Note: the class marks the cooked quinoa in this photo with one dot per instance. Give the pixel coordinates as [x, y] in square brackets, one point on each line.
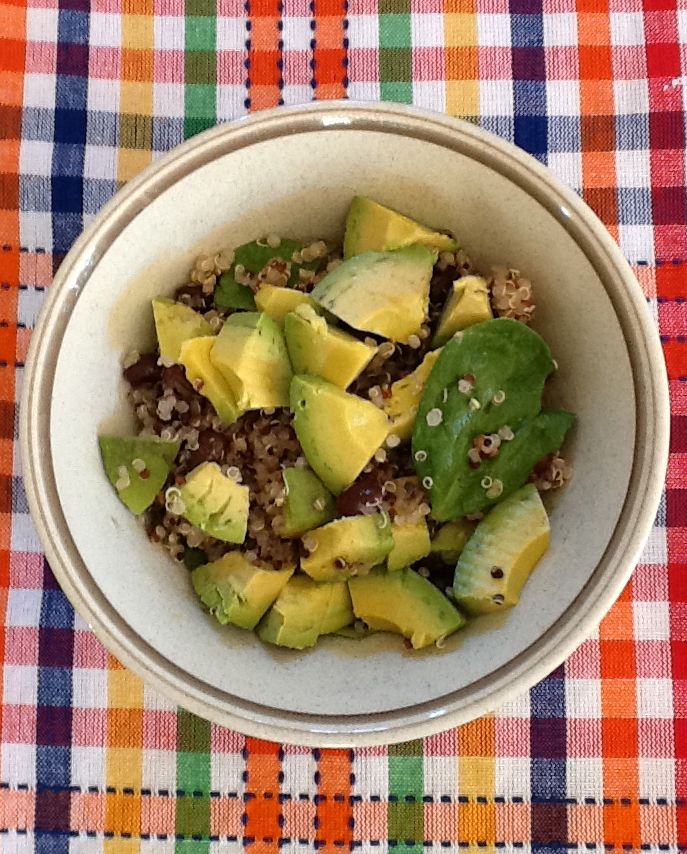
[255, 450]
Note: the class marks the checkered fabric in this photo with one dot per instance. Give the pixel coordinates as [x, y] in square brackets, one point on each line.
[593, 758]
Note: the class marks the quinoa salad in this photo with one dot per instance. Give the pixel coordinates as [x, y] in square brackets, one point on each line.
[344, 439]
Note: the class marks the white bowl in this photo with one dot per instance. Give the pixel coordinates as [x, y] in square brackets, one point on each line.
[294, 172]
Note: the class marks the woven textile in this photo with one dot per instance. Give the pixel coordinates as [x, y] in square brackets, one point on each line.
[595, 757]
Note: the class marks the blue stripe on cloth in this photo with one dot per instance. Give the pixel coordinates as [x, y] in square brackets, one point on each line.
[69, 133]
[54, 719]
[530, 128]
[548, 764]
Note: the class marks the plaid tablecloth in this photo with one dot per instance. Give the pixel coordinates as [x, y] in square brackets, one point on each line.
[593, 758]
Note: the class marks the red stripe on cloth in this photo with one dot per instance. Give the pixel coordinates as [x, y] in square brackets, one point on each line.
[334, 810]
[263, 810]
[265, 55]
[329, 54]
[12, 58]
[667, 132]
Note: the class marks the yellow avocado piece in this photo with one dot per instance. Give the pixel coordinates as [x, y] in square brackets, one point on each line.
[215, 503]
[317, 348]
[401, 407]
[386, 293]
[499, 557]
[278, 302]
[411, 543]
[250, 353]
[405, 603]
[357, 542]
[304, 610]
[236, 591]
[176, 323]
[371, 226]
[338, 432]
[449, 541]
[467, 304]
[195, 357]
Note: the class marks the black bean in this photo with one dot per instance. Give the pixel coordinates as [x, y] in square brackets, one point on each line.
[145, 371]
[174, 377]
[363, 494]
[189, 291]
[212, 447]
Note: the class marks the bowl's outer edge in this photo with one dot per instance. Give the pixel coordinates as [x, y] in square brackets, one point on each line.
[606, 582]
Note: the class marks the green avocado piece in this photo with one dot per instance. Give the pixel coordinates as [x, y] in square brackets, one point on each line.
[467, 304]
[499, 557]
[411, 543]
[371, 226]
[406, 603]
[278, 302]
[230, 294]
[506, 365]
[137, 485]
[250, 353]
[176, 323]
[401, 408]
[215, 503]
[308, 502]
[304, 610]
[195, 357]
[236, 591]
[317, 348]
[386, 293]
[449, 541]
[338, 432]
[347, 546]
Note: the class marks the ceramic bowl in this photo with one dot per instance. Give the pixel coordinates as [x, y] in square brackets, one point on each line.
[294, 172]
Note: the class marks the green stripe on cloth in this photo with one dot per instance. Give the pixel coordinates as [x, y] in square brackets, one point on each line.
[395, 55]
[192, 823]
[405, 811]
[200, 66]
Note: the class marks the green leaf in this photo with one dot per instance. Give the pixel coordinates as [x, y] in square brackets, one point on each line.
[193, 558]
[230, 294]
[255, 255]
[502, 356]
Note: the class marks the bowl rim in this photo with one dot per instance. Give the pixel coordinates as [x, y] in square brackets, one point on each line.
[606, 581]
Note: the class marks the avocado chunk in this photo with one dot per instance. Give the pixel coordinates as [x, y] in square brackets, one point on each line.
[230, 294]
[371, 226]
[278, 302]
[137, 467]
[347, 546]
[501, 554]
[317, 348]
[406, 603]
[449, 541]
[304, 610]
[488, 378]
[250, 353]
[401, 408]
[338, 432]
[411, 543]
[195, 357]
[467, 304]
[215, 503]
[236, 591]
[385, 293]
[176, 323]
[308, 503]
